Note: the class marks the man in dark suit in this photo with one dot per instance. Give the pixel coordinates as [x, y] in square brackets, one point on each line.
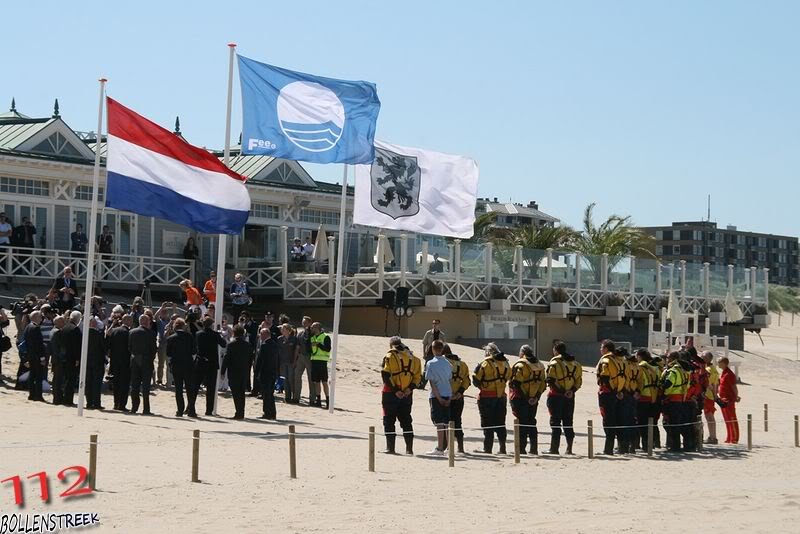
[57, 357]
[67, 289]
[72, 357]
[95, 366]
[180, 358]
[236, 363]
[120, 356]
[209, 342]
[268, 363]
[34, 356]
[142, 345]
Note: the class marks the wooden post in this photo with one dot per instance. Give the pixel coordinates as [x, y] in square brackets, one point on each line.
[516, 440]
[650, 431]
[590, 436]
[749, 432]
[766, 417]
[451, 444]
[372, 449]
[195, 456]
[797, 431]
[93, 461]
[292, 455]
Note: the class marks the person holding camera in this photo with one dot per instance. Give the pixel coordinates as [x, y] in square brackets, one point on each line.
[240, 297]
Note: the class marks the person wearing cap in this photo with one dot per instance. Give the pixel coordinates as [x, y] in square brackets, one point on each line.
[401, 373]
[526, 387]
[491, 377]
[565, 378]
[711, 397]
[729, 396]
[459, 384]
[611, 384]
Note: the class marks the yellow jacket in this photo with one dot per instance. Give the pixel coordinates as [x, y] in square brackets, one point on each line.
[491, 376]
[460, 381]
[401, 370]
[648, 382]
[528, 377]
[678, 380]
[611, 373]
[564, 375]
[713, 380]
[632, 371]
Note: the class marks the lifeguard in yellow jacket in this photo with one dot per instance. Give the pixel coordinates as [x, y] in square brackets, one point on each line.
[565, 378]
[528, 376]
[490, 377]
[401, 374]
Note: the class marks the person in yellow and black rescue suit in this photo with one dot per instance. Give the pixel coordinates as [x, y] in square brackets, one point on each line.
[675, 384]
[401, 374]
[629, 435]
[491, 376]
[611, 383]
[565, 377]
[648, 401]
[459, 384]
[527, 384]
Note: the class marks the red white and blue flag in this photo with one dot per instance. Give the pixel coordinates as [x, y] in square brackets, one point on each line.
[152, 171]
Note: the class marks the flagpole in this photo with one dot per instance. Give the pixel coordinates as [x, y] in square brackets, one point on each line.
[87, 300]
[337, 303]
[223, 238]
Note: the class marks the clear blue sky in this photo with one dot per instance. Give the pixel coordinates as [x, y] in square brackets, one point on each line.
[642, 107]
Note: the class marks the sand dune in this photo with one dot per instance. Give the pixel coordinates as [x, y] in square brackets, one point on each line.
[144, 465]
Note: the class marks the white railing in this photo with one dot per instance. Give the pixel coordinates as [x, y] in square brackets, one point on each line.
[262, 277]
[48, 264]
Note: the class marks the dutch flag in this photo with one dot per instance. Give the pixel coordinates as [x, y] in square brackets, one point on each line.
[152, 171]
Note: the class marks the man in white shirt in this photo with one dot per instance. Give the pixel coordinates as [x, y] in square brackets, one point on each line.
[5, 231]
[308, 249]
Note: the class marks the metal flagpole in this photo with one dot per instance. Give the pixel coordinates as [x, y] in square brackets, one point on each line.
[223, 238]
[87, 300]
[337, 303]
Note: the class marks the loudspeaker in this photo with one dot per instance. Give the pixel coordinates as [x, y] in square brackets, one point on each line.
[387, 300]
[402, 297]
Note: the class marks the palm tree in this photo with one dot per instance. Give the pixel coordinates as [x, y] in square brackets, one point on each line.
[483, 227]
[535, 240]
[616, 236]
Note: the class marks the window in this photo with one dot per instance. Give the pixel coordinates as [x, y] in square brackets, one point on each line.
[659, 250]
[264, 211]
[782, 244]
[697, 250]
[316, 216]
[698, 235]
[84, 192]
[676, 250]
[22, 186]
[740, 254]
[740, 240]
[57, 144]
[762, 242]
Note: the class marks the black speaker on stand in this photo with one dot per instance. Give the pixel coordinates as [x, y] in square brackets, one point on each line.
[387, 302]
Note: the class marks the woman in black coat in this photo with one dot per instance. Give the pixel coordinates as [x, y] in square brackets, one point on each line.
[236, 362]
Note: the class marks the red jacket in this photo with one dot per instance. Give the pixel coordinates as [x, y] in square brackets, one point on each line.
[727, 386]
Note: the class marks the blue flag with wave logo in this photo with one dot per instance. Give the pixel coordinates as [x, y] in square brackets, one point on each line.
[297, 116]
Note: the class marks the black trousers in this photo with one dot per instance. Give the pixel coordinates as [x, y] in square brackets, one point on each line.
[181, 381]
[627, 418]
[526, 413]
[609, 411]
[238, 394]
[70, 382]
[35, 377]
[673, 423]
[58, 381]
[687, 430]
[562, 411]
[268, 396]
[493, 414]
[397, 410]
[94, 385]
[207, 376]
[141, 376]
[121, 383]
[645, 411]
[456, 410]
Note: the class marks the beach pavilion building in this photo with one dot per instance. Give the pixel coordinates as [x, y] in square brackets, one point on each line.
[479, 291]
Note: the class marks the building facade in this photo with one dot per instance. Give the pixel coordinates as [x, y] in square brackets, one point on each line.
[703, 242]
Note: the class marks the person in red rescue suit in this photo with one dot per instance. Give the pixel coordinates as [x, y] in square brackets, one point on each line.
[729, 396]
[401, 374]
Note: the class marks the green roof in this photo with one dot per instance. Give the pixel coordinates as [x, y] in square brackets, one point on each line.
[14, 132]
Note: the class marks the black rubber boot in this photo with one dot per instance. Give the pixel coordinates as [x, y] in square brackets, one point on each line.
[608, 449]
[569, 446]
[555, 443]
[390, 440]
[460, 440]
[409, 443]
